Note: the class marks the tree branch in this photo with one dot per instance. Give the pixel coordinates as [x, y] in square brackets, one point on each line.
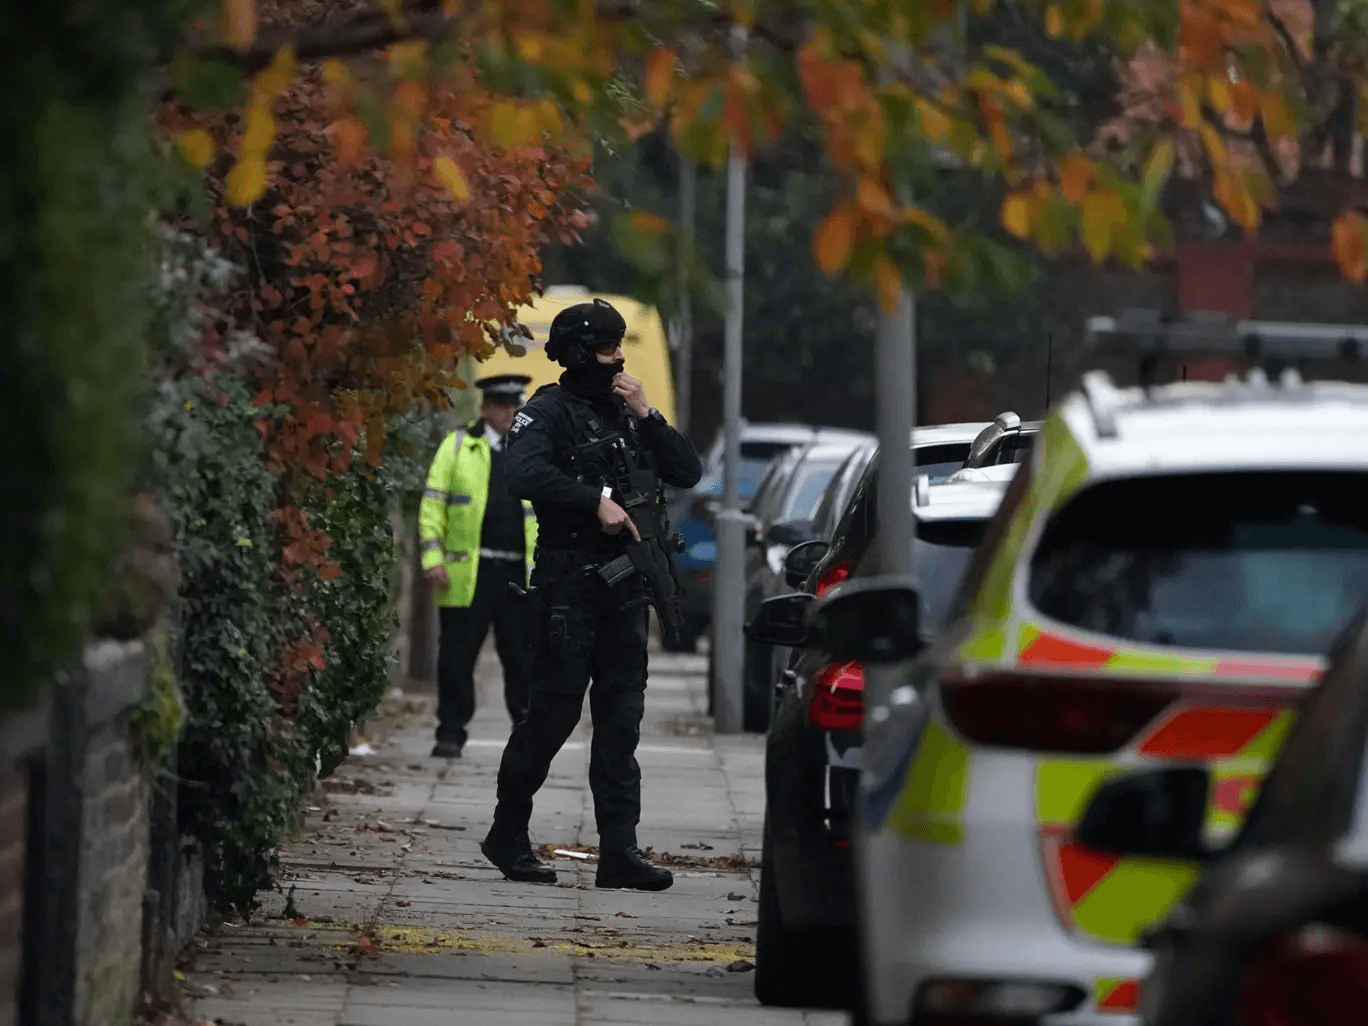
[361, 33]
[1280, 27]
[343, 38]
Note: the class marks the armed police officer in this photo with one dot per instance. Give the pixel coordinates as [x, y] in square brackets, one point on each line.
[476, 539]
[591, 454]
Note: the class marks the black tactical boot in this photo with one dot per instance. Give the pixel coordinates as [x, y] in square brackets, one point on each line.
[446, 750]
[515, 860]
[629, 869]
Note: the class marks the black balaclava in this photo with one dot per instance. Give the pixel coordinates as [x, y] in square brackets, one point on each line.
[591, 379]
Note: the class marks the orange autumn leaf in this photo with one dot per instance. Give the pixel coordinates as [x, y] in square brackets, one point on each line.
[240, 23]
[1075, 175]
[1347, 246]
[888, 281]
[834, 239]
[660, 68]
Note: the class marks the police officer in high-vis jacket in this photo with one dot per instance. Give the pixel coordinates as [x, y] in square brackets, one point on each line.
[476, 539]
[591, 454]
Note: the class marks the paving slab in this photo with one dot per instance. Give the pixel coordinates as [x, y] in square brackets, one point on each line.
[396, 919]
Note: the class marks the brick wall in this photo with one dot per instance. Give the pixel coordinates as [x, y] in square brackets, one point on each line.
[13, 831]
[113, 876]
[89, 845]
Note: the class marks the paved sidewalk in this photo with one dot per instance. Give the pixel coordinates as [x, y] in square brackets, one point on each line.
[396, 919]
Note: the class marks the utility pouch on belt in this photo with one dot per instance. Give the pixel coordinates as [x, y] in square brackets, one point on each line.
[617, 569]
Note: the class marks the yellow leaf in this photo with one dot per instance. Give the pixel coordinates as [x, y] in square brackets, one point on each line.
[1215, 146]
[511, 124]
[1075, 175]
[1054, 21]
[1189, 100]
[932, 224]
[1218, 93]
[258, 133]
[834, 239]
[1101, 211]
[240, 22]
[1347, 245]
[888, 281]
[936, 125]
[660, 69]
[271, 81]
[197, 146]
[872, 198]
[246, 181]
[1016, 215]
[335, 72]
[450, 175]
[1276, 118]
[1157, 167]
[1018, 92]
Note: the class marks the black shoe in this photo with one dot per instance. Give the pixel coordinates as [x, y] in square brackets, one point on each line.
[628, 868]
[446, 750]
[515, 861]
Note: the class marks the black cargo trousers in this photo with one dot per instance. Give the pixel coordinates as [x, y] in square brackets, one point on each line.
[589, 636]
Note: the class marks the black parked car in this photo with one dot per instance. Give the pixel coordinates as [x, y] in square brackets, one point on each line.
[937, 453]
[805, 939]
[1275, 932]
[782, 517]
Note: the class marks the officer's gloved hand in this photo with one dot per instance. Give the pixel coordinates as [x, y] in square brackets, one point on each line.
[614, 518]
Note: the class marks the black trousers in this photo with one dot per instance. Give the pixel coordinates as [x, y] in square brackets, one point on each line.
[590, 636]
[464, 629]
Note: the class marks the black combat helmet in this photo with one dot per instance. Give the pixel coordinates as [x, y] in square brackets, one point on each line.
[580, 329]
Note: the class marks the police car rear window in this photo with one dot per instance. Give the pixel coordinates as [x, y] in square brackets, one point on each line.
[1268, 562]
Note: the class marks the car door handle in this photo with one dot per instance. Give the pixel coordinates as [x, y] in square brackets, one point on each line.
[787, 679]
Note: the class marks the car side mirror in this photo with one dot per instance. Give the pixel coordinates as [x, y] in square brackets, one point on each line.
[782, 620]
[751, 525]
[1156, 814]
[802, 560]
[870, 621]
[790, 532]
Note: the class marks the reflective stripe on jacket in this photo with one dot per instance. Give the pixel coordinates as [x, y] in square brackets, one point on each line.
[452, 513]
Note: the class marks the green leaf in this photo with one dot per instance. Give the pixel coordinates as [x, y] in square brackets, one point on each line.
[208, 85]
[1156, 171]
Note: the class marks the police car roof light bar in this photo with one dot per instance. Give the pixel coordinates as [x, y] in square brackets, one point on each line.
[1147, 334]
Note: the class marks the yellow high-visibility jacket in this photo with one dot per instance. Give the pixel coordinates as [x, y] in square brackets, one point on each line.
[452, 513]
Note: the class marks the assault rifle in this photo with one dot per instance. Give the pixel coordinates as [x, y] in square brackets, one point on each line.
[636, 490]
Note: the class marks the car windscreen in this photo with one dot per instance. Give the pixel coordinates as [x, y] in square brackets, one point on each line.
[940, 461]
[805, 490]
[940, 554]
[1270, 561]
[755, 458]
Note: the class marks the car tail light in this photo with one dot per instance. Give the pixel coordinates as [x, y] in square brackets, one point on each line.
[833, 577]
[838, 697]
[1080, 715]
[1319, 975]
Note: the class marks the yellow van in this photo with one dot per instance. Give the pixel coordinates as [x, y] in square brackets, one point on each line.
[644, 346]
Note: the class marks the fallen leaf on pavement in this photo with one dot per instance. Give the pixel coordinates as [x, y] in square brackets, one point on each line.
[741, 965]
